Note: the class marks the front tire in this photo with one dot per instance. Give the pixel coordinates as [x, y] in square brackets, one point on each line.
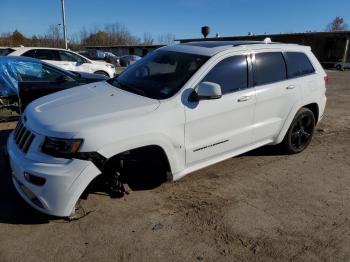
[338, 67]
[300, 132]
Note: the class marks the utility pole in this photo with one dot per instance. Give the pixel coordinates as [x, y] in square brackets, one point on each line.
[344, 60]
[64, 25]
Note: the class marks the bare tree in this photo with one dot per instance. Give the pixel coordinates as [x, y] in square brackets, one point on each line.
[5, 39]
[147, 39]
[13, 39]
[120, 35]
[337, 24]
[110, 34]
[98, 38]
[83, 34]
[166, 39]
[53, 36]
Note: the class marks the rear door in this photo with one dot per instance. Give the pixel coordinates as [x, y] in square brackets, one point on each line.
[37, 80]
[275, 94]
[220, 126]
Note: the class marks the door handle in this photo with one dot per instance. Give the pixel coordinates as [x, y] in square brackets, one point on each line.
[244, 98]
[290, 87]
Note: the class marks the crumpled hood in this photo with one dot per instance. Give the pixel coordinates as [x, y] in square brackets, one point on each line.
[67, 112]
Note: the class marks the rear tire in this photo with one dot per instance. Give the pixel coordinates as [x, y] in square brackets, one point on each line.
[102, 73]
[300, 132]
[338, 67]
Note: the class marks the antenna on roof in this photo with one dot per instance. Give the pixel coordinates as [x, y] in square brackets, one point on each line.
[267, 40]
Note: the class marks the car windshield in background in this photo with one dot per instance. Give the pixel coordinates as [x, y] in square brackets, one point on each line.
[159, 75]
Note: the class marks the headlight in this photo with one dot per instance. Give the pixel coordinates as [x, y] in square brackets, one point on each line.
[110, 66]
[58, 147]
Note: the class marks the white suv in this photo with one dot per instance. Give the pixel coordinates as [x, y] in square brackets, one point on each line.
[181, 108]
[67, 60]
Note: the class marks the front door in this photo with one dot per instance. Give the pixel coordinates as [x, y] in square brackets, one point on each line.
[74, 62]
[220, 126]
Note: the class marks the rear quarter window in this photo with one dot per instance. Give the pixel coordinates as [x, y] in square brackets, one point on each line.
[298, 64]
[269, 67]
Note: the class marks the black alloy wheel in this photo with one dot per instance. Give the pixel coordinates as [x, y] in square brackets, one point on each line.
[300, 132]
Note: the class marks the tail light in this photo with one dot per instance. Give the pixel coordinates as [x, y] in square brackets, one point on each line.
[326, 80]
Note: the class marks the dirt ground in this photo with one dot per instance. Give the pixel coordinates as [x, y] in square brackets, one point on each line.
[261, 206]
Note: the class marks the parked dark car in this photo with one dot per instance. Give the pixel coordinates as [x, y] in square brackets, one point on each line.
[128, 59]
[24, 79]
[112, 58]
[99, 55]
[93, 54]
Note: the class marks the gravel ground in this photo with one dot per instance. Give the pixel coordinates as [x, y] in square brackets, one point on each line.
[261, 206]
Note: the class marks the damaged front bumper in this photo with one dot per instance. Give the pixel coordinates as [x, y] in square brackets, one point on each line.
[56, 186]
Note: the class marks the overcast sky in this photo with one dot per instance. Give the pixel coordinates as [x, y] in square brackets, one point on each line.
[183, 18]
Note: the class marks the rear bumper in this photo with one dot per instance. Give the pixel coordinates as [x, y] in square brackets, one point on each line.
[322, 107]
[64, 182]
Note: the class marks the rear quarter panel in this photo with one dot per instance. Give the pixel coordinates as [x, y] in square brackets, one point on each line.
[313, 89]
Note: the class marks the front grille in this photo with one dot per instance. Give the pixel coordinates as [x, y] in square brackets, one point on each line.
[23, 137]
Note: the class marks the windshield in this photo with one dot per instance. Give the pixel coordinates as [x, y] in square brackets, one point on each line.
[159, 75]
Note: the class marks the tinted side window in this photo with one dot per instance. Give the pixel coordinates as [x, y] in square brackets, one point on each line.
[298, 64]
[231, 74]
[269, 67]
[30, 53]
[45, 54]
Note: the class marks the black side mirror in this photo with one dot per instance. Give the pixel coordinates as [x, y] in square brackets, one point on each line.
[62, 79]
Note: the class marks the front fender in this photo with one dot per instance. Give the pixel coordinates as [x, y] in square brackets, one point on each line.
[174, 152]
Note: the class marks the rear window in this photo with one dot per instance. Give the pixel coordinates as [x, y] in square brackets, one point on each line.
[269, 67]
[298, 64]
